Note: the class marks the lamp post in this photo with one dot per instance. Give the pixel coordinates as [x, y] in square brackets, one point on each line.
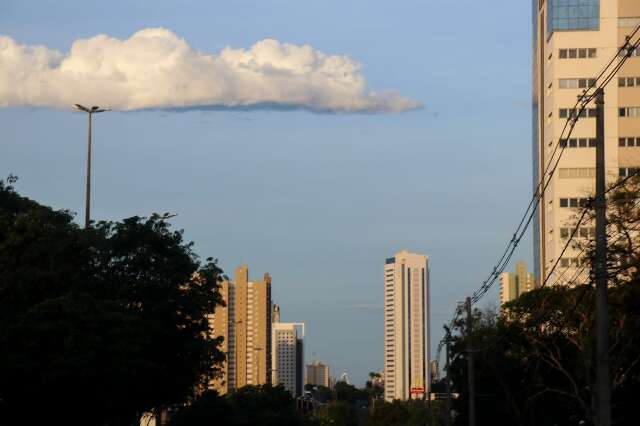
[90, 112]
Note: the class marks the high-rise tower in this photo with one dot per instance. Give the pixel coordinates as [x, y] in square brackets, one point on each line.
[245, 325]
[573, 40]
[406, 326]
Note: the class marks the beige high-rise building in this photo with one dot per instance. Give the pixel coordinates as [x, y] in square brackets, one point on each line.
[406, 326]
[245, 325]
[317, 374]
[573, 40]
[512, 285]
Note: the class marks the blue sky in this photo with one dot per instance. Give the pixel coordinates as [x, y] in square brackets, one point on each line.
[317, 200]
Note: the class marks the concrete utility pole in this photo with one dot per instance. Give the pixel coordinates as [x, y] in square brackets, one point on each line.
[470, 367]
[447, 380]
[90, 112]
[603, 380]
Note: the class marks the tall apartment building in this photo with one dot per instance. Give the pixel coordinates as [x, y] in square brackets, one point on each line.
[406, 326]
[317, 374]
[572, 41]
[245, 325]
[512, 285]
[288, 356]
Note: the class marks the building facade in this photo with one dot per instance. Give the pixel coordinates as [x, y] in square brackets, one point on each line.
[572, 42]
[245, 325]
[317, 374]
[512, 285]
[288, 356]
[406, 326]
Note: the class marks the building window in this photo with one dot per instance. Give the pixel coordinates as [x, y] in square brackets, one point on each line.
[628, 22]
[629, 142]
[627, 171]
[578, 173]
[585, 113]
[632, 112]
[577, 83]
[631, 53]
[582, 53]
[573, 15]
[629, 81]
[573, 262]
[578, 143]
[583, 232]
[573, 202]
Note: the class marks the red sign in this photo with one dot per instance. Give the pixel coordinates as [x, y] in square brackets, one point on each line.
[414, 391]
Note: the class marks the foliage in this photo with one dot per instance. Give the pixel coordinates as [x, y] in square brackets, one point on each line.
[338, 413]
[407, 413]
[535, 362]
[99, 325]
[349, 393]
[320, 393]
[250, 405]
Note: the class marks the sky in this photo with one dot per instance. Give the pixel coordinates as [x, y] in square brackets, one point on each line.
[394, 125]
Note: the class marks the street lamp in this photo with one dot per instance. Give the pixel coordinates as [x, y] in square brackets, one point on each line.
[90, 112]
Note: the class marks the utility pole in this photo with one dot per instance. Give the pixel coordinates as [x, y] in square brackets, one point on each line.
[603, 381]
[470, 367]
[447, 380]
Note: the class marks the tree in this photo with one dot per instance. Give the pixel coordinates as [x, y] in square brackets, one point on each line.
[338, 413]
[251, 405]
[99, 325]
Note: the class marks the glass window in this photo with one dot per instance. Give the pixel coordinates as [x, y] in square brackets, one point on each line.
[564, 202]
[573, 143]
[572, 53]
[572, 15]
[582, 142]
[622, 142]
[563, 54]
[592, 143]
[628, 22]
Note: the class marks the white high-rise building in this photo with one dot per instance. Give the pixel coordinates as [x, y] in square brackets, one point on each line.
[288, 356]
[406, 326]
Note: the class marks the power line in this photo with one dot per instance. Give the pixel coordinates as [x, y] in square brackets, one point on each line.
[574, 115]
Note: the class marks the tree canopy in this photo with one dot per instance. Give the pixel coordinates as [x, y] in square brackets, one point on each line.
[99, 325]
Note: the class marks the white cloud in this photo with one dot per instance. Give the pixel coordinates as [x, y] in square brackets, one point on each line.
[155, 69]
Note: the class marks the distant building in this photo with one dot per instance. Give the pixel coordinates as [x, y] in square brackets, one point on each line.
[406, 326]
[288, 356]
[435, 371]
[245, 325]
[512, 285]
[275, 313]
[318, 374]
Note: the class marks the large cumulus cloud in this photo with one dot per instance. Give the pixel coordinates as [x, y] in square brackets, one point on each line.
[156, 69]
